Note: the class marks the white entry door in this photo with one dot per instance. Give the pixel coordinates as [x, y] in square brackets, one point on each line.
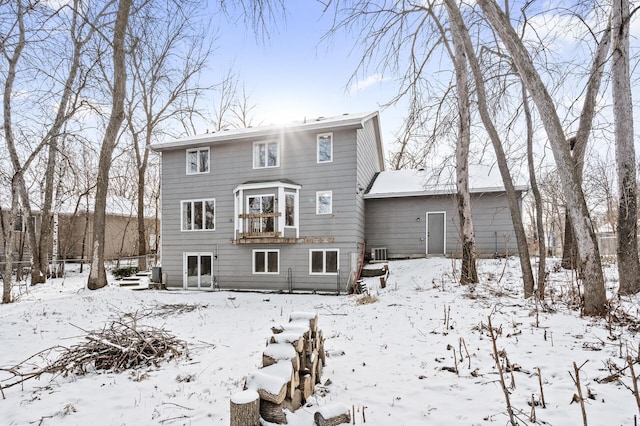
[436, 235]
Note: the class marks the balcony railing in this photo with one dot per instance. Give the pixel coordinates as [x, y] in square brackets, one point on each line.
[260, 225]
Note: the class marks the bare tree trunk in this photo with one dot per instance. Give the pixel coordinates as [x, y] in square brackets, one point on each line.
[469, 273]
[628, 265]
[512, 196]
[579, 142]
[542, 247]
[595, 301]
[97, 274]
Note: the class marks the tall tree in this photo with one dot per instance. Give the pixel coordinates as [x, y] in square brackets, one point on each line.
[628, 265]
[595, 302]
[579, 142]
[168, 53]
[468, 273]
[501, 159]
[97, 275]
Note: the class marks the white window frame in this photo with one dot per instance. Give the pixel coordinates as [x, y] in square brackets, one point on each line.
[266, 261]
[266, 143]
[198, 151]
[263, 221]
[321, 194]
[324, 261]
[204, 214]
[318, 137]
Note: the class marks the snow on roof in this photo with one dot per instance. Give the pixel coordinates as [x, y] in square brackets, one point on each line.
[420, 182]
[320, 123]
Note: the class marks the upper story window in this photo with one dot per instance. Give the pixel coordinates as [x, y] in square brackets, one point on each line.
[266, 154]
[324, 201]
[290, 209]
[197, 161]
[325, 148]
[198, 215]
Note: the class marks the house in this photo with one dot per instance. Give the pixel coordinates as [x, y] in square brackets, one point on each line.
[75, 230]
[410, 214]
[291, 208]
[270, 207]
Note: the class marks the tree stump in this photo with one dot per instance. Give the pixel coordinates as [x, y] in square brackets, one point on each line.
[245, 408]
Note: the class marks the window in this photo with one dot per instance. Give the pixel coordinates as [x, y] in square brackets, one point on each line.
[266, 261]
[325, 148]
[197, 161]
[323, 202]
[266, 154]
[198, 215]
[323, 262]
[261, 207]
[290, 210]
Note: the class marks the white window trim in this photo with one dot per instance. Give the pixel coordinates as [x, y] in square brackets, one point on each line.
[265, 142]
[324, 261]
[198, 150]
[318, 193]
[330, 160]
[266, 259]
[182, 202]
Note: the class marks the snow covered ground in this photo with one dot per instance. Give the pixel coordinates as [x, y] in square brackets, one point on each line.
[392, 360]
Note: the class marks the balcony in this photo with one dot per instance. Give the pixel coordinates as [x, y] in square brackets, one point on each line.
[260, 225]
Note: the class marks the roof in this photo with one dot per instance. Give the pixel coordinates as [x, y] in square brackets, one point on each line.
[419, 182]
[319, 124]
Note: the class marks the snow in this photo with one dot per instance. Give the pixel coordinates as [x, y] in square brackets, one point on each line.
[244, 397]
[280, 351]
[392, 360]
[415, 182]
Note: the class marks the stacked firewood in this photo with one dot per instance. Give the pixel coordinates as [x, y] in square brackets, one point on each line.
[292, 365]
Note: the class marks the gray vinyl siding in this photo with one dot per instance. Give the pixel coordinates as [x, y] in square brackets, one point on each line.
[369, 163]
[399, 224]
[231, 164]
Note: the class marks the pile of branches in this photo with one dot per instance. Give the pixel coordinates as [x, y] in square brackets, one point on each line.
[122, 345]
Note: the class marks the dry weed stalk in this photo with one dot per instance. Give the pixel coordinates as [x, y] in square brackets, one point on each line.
[579, 398]
[634, 379]
[512, 418]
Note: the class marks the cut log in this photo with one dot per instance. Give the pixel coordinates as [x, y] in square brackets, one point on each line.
[319, 368]
[294, 402]
[272, 413]
[280, 352]
[245, 409]
[332, 416]
[271, 382]
[310, 317]
[295, 339]
[306, 386]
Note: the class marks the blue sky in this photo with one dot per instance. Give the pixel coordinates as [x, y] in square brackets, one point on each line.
[293, 75]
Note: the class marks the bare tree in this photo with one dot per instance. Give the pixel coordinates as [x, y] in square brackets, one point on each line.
[593, 279]
[628, 264]
[512, 196]
[97, 275]
[468, 272]
[168, 53]
[539, 223]
[579, 142]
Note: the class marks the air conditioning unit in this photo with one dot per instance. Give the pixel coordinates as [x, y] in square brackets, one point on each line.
[379, 253]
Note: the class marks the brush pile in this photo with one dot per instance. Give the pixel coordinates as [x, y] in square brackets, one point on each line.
[122, 345]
